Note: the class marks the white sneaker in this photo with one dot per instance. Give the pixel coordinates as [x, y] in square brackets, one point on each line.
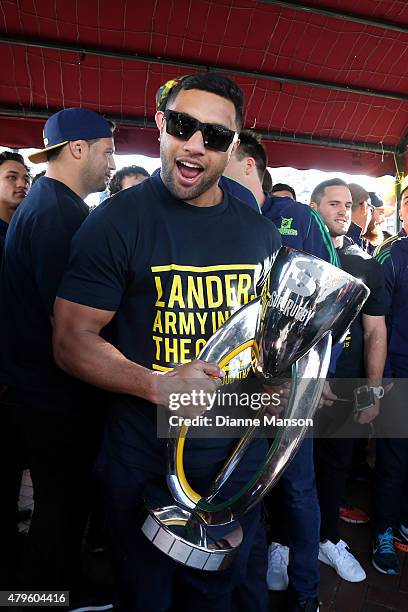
[339, 557]
[403, 529]
[277, 575]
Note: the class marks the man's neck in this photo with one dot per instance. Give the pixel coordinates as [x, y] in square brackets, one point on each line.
[253, 184]
[5, 216]
[212, 197]
[259, 195]
[356, 223]
[70, 179]
[337, 241]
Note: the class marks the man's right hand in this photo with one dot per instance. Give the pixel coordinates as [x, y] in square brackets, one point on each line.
[196, 380]
[328, 397]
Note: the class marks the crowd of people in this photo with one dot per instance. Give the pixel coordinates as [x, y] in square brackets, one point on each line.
[91, 311]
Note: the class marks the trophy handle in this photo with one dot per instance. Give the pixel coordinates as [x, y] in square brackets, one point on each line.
[308, 377]
[239, 332]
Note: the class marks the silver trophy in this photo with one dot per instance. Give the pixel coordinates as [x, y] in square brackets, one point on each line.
[307, 306]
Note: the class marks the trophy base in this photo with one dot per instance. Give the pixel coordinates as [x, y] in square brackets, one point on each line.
[178, 534]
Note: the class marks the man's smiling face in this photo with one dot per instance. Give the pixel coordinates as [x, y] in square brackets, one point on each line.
[335, 209]
[189, 169]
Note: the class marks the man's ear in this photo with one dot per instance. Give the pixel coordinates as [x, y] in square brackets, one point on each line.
[159, 118]
[75, 147]
[313, 205]
[250, 165]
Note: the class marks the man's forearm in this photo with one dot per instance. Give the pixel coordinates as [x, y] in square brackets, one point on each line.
[375, 352]
[89, 357]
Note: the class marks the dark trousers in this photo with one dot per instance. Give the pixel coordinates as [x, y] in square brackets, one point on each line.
[251, 594]
[11, 468]
[333, 459]
[333, 453]
[299, 520]
[150, 581]
[61, 482]
[60, 451]
[391, 480]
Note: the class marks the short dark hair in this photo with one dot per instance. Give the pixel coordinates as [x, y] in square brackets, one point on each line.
[284, 187]
[250, 146]
[12, 156]
[115, 184]
[37, 176]
[267, 182]
[318, 191]
[215, 83]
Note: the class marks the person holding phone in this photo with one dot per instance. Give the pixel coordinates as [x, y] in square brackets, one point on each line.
[357, 380]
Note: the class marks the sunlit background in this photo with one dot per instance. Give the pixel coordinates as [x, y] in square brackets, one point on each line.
[303, 181]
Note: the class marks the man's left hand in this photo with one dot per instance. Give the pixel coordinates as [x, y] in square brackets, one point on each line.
[369, 414]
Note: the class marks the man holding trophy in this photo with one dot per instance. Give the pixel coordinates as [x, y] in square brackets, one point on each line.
[158, 270]
[164, 262]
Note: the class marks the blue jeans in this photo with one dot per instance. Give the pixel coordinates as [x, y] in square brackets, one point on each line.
[150, 581]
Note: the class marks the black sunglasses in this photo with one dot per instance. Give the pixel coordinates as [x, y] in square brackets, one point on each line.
[183, 126]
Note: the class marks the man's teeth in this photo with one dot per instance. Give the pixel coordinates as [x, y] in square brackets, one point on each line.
[190, 165]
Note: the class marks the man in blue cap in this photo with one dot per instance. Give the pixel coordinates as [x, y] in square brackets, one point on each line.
[55, 421]
[375, 233]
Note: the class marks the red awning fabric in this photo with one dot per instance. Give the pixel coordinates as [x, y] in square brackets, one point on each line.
[262, 39]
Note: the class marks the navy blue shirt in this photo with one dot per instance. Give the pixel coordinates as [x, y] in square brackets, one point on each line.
[381, 250]
[239, 191]
[395, 266]
[355, 234]
[35, 255]
[172, 272]
[236, 189]
[300, 227]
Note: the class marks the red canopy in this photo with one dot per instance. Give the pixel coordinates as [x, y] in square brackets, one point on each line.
[324, 85]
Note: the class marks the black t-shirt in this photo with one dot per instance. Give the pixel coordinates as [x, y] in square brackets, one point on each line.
[35, 256]
[359, 264]
[173, 273]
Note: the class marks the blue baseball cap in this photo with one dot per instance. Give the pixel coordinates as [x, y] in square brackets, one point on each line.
[375, 200]
[71, 124]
